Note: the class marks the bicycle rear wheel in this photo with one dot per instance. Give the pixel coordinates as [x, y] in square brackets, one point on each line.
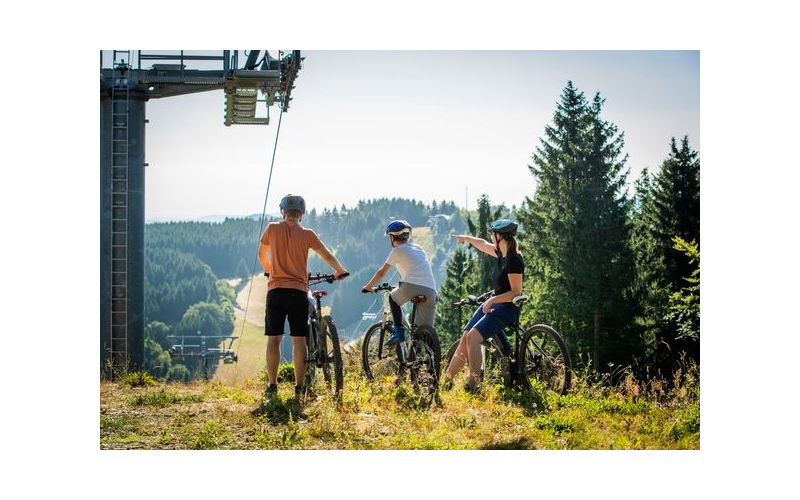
[377, 361]
[425, 360]
[546, 359]
[332, 367]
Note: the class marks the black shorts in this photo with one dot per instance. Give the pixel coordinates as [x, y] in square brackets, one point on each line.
[283, 302]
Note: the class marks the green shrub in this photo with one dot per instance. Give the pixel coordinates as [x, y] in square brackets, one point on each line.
[139, 379]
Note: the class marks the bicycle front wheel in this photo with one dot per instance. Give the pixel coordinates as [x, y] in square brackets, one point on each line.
[377, 360]
[546, 359]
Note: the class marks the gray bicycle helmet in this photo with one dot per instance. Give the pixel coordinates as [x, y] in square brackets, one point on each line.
[293, 202]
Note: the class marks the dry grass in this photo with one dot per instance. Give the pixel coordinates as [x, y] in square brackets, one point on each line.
[379, 415]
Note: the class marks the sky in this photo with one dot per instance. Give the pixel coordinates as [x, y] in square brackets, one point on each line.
[444, 125]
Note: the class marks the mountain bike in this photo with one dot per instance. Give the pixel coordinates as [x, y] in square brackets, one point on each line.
[538, 356]
[420, 354]
[324, 351]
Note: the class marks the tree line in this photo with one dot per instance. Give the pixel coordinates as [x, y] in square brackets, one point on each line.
[182, 297]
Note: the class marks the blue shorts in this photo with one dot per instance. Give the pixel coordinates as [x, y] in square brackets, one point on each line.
[502, 315]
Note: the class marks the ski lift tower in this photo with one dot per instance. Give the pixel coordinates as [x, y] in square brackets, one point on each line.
[125, 87]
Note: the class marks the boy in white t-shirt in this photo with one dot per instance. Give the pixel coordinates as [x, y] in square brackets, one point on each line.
[416, 278]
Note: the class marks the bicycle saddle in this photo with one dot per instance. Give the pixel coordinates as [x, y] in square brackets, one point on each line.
[519, 300]
[418, 299]
[319, 293]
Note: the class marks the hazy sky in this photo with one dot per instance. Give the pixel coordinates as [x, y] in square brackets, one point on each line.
[419, 124]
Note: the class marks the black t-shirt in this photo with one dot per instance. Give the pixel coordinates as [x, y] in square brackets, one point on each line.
[512, 264]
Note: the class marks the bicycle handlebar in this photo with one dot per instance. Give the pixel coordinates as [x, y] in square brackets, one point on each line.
[316, 278]
[473, 300]
[380, 288]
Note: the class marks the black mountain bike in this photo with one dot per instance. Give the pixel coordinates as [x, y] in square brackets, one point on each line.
[538, 356]
[324, 351]
[420, 354]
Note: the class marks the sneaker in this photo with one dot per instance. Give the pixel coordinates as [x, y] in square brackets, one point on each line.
[398, 335]
[299, 391]
[271, 391]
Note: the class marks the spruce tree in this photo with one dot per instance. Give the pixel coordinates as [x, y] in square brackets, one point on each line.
[649, 291]
[671, 209]
[577, 232]
[675, 211]
[449, 320]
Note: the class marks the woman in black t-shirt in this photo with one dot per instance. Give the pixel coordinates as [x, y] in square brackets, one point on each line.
[497, 312]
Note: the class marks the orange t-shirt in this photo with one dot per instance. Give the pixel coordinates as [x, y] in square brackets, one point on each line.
[289, 243]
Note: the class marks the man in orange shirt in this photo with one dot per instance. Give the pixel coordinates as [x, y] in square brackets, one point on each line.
[284, 256]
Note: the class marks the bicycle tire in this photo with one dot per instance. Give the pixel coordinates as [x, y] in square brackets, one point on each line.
[311, 374]
[387, 364]
[546, 359]
[425, 359]
[332, 366]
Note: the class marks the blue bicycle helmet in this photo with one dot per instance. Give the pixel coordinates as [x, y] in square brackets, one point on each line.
[293, 202]
[504, 227]
[398, 228]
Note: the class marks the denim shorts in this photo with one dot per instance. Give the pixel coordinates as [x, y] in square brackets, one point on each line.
[501, 315]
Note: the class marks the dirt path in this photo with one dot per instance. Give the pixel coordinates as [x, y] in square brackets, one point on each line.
[255, 319]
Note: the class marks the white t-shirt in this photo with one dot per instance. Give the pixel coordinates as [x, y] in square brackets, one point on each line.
[412, 264]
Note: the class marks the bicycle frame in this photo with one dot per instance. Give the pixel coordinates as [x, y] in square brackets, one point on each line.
[314, 321]
[387, 316]
[418, 356]
[323, 348]
[538, 351]
[515, 355]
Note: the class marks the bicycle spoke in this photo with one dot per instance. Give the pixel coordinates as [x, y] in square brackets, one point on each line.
[327, 360]
[425, 361]
[375, 367]
[546, 359]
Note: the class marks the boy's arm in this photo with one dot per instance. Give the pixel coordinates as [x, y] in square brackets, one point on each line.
[379, 274]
